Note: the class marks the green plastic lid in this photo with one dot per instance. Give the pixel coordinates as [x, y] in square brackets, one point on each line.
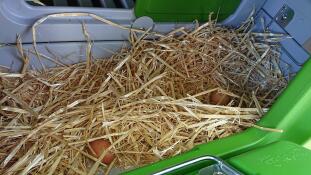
[185, 10]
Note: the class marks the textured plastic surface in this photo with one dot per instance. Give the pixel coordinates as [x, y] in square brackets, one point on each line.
[183, 10]
[297, 53]
[67, 53]
[295, 50]
[244, 10]
[291, 112]
[302, 17]
[17, 17]
[282, 157]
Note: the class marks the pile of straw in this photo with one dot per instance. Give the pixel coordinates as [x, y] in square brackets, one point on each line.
[151, 101]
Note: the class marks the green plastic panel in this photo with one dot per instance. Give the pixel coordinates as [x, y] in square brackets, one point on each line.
[282, 157]
[185, 10]
[291, 112]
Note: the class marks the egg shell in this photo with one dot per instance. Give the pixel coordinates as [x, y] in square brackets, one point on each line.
[217, 98]
[98, 147]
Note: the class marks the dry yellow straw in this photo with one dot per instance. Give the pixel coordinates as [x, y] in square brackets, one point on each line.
[151, 101]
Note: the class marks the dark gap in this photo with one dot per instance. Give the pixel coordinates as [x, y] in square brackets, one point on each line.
[96, 3]
[118, 4]
[47, 2]
[73, 3]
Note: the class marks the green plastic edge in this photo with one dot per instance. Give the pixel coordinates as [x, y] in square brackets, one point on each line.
[291, 112]
[281, 157]
[185, 10]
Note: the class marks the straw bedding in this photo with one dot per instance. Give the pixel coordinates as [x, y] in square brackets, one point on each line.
[150, 101]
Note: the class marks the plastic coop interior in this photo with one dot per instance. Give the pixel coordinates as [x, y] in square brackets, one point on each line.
[63, 38]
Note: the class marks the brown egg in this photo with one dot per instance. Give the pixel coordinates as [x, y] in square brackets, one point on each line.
[217, 98]
[98, 147]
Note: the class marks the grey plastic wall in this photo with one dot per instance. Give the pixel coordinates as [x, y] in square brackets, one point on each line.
[294, 54]
[17, 17]
[67, 53]
[244, 10]
[64, 36]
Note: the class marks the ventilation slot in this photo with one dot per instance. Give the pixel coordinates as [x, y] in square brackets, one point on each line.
[124, 4]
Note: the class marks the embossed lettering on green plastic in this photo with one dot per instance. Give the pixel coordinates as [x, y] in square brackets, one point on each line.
[185, 10]
[281, 157]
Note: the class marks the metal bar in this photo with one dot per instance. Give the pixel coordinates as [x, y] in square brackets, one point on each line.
[220, 163]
